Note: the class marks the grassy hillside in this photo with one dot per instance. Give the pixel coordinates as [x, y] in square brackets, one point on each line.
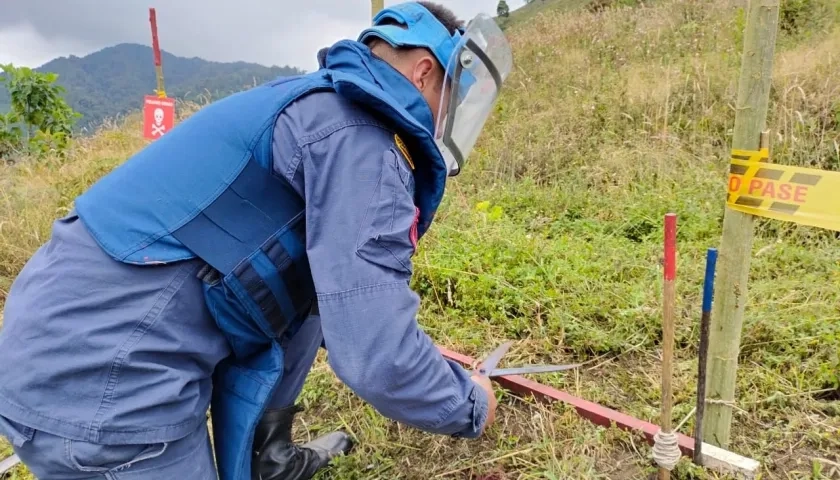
[528, 11]
[113, 81]
[552, 237]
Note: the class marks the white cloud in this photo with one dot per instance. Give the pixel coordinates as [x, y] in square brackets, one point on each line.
[33, 32]
[23, 45]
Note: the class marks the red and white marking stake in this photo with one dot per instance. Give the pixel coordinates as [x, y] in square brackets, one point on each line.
[668, 302]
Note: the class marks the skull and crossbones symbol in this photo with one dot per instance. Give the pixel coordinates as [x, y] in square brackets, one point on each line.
[158, 128]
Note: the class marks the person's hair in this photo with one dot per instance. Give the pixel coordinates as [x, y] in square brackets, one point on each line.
[444, 15]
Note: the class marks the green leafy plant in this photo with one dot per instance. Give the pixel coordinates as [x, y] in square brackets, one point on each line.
[41, 121]
[10, 135]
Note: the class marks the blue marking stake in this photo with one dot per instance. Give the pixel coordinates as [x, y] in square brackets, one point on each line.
[708, 294]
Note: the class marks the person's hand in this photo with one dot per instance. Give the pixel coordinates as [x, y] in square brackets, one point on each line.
[484, 382]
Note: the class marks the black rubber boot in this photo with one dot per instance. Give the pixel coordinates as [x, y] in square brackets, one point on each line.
[276, 457]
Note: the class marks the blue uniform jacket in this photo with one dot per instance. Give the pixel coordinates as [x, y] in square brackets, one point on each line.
[111, 352]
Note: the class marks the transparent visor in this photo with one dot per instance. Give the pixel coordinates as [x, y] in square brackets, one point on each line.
[475, 74]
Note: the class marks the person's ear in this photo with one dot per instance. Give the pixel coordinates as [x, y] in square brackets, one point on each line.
[423, 75]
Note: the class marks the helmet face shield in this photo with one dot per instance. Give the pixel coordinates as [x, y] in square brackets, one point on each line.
[474, 76]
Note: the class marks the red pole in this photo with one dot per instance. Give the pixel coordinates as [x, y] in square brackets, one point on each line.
[156, 49]
[670, 247]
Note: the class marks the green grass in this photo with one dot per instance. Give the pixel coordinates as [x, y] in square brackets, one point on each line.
[552, 237]
[527, 12]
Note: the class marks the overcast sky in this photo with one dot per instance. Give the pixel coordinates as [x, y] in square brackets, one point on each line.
[270, 32]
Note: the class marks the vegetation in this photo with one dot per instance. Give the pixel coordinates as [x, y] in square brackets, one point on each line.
[112, 82]
[552, 237]
[503, 10]
[40, 121]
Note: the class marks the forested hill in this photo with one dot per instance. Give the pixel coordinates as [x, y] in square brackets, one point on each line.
[114, 80]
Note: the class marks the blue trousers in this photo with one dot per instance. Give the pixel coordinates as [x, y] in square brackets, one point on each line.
[50, 457]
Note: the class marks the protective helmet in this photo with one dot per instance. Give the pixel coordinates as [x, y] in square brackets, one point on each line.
[476, 60]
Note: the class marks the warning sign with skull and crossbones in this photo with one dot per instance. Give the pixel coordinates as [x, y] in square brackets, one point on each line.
[158, 116]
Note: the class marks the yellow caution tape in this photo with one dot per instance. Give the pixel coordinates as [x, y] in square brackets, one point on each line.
[801, 195]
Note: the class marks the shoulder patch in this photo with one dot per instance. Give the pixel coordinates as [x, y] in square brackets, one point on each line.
[404, 150]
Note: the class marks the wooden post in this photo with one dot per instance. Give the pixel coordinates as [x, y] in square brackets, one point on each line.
[668, 302]
[376, 6]
[736, 243]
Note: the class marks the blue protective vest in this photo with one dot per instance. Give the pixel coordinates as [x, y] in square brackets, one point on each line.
[206, 190]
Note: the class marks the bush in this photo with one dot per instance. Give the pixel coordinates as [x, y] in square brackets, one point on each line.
[40, 121]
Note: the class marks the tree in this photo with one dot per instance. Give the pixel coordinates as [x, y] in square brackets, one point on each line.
[503, 10]
[40, 120]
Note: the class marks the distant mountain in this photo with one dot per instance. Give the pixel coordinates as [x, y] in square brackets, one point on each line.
[114, 80]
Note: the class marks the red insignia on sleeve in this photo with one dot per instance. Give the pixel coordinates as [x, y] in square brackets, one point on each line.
[412, 234]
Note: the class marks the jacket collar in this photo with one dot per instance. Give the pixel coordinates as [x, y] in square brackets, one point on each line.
[361, 76]
[355, 58]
